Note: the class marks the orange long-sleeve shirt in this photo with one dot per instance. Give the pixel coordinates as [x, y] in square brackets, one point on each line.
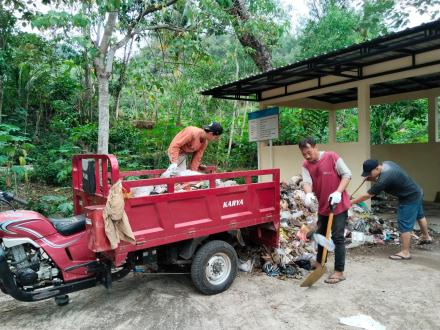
[189, 140]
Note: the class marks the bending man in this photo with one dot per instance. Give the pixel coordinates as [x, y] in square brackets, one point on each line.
[392, 179]
[191, 140]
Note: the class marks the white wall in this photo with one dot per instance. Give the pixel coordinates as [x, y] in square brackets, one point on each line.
[289, 160]
[421, 161]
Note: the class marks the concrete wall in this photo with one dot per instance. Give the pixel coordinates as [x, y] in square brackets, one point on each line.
[421, 161]
[289, 160]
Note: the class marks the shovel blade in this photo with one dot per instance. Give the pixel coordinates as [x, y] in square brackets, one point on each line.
[314, 276]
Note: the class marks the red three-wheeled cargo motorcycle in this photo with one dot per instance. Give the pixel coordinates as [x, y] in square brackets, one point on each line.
[43, 258]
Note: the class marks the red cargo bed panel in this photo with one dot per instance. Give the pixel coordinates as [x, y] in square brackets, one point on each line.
[176, 216]
[189, 211]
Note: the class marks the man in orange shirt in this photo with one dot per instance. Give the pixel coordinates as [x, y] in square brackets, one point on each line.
[191, 140]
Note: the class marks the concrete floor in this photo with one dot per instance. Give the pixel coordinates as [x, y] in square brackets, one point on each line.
[432, 213]
[398, 294]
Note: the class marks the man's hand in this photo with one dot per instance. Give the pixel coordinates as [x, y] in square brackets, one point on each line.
[310, 199]
[335, 197]
[361, 199]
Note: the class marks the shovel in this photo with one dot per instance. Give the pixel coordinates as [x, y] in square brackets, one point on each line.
[320, 270]
[361, 204]
[363, 181]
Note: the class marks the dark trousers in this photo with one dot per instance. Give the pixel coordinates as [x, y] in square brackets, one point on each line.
[338, 238]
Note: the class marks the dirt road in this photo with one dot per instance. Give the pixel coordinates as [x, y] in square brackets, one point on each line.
[398, 294]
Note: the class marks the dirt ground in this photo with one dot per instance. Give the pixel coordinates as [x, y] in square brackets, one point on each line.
[398, 294]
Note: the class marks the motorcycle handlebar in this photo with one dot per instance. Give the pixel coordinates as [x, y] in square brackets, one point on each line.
[9, 197]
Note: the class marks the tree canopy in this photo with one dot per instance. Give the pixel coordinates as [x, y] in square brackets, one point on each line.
[124, 76]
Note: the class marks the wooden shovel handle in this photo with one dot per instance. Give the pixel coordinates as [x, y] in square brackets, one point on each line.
[363, 181]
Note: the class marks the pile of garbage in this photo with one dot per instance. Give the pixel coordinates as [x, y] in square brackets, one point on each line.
[383, 203]
[180, 187]
[296, 253]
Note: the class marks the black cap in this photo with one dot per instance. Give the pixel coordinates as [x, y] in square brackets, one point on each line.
[368, 166]
[215, 128]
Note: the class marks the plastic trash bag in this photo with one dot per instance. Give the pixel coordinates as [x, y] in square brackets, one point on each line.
[362, 321]
[324, 242]
[245, 266]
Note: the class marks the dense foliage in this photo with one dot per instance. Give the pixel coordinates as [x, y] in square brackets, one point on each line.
[50, 91]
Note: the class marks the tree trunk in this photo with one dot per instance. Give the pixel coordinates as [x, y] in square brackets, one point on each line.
[121, 79]
[103, 117]
[88, 80]
[231, 136]
[104, 63]
[236, 109]
[88, 86]
[260, 54]
[156, 108]
[220, 145]
[243, 124]
[103, 68]
[179, 113]
[37, 122]
[118, 101]
[26, 106]
[176, 75]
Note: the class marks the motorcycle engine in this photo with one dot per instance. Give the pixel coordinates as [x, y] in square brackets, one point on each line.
[29, 266]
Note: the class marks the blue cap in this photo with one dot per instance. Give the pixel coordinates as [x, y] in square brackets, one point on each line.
[215, 128]
[368, 166]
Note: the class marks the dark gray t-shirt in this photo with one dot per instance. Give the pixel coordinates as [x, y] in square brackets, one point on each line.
[394, 181]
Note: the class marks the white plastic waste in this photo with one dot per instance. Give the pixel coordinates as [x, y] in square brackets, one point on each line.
[369, 239]
[142, 191]
[324, 242]
[172, 172]
[362, 321]
[297, 214]
[228, 183]
[245, 266]
[305, 256]
[357, 237]
[285, 215]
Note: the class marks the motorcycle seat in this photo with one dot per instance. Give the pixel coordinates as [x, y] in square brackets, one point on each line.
[69, 226]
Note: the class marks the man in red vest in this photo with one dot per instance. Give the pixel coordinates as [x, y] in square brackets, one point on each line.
[326, 176]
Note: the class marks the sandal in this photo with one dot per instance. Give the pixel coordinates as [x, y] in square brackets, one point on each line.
[334, 280]
[399, 257]
[424, 241]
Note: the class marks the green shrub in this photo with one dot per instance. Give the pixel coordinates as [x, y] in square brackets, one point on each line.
[50, 205]
[54, 166]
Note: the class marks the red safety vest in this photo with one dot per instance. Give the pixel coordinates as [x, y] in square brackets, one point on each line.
[325, 181]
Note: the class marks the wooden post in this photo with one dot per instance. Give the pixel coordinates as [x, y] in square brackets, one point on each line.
[432, 118]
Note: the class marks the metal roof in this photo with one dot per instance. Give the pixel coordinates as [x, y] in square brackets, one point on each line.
[348, 63]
